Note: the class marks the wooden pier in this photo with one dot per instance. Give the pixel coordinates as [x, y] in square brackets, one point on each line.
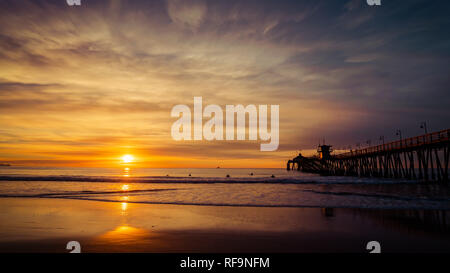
[424, 157]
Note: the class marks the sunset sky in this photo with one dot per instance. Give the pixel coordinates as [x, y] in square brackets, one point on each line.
[82, 86]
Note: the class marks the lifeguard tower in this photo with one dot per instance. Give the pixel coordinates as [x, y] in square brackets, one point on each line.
[324, 151]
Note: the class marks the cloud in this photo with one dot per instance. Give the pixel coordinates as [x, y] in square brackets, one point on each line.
[187, 13]
[113, 70]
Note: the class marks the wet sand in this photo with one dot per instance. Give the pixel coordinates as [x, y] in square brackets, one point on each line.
[46, 225]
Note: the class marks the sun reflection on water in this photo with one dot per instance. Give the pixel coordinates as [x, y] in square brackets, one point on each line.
[124, 206]
[126, 172]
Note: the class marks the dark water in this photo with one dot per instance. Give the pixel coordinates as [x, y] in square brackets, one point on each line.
[221, 187]
[195, 210]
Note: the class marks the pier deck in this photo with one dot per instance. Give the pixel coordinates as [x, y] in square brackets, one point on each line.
[424, 157]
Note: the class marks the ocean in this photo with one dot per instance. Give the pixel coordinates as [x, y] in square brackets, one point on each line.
[221, 187]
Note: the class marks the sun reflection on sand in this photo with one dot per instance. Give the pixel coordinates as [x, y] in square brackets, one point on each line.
[123, 235]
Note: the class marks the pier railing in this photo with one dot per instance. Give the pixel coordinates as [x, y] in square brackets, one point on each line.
[407, 143]
[425, 157]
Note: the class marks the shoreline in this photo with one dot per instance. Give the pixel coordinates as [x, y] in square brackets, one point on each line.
[230, 205]
[46, 225]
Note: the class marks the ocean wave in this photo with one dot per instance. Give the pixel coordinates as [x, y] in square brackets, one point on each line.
[384, 196]
[406, 205]
[238, 190]
[81, 193]
[210, 197]
[206, 180]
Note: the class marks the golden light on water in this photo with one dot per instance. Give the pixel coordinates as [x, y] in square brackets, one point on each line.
[126, 172]
[125, 187]
[124, 206]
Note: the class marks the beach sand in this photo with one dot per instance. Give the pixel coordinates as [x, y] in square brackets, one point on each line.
[46, 225]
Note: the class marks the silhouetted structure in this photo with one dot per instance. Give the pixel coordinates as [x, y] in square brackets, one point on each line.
[424, 157]
[324, 152]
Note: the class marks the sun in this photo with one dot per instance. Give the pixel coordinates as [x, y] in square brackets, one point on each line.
[127, 158]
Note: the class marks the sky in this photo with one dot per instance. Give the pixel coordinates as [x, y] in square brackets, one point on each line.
[84, 85]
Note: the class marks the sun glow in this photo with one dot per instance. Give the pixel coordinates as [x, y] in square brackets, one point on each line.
[127, 158]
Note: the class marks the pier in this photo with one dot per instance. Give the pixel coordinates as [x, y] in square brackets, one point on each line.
[424, 157]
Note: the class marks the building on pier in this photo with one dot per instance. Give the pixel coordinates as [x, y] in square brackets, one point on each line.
[424, 157]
